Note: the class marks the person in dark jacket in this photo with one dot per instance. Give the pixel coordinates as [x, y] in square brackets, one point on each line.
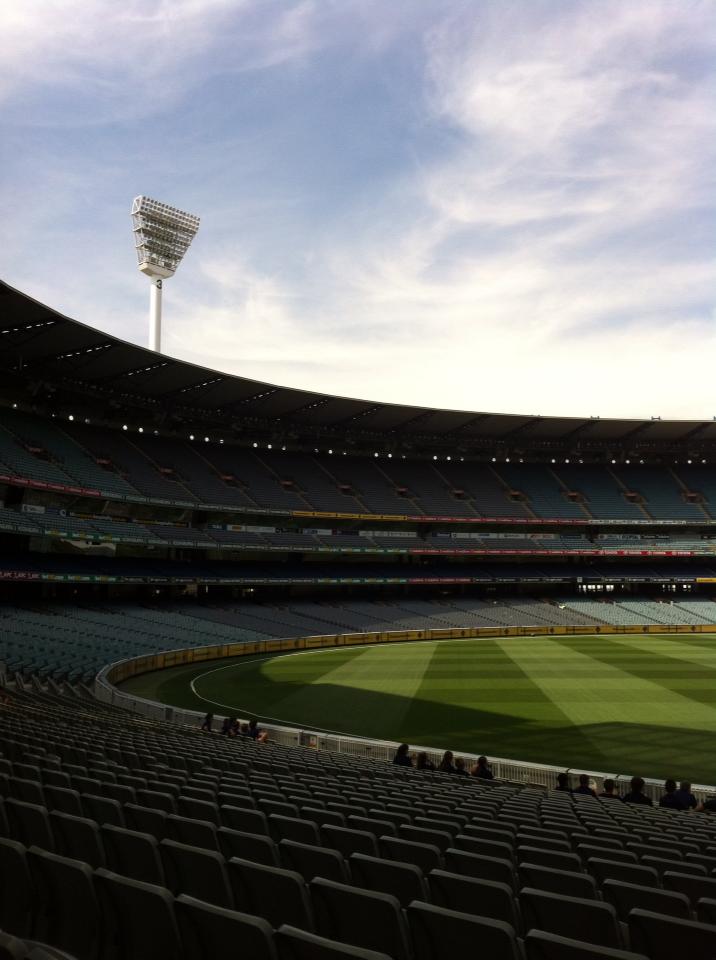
[446, 764]
[608, 793]
[402, 757]
[562, 782]
[460, 767]
[422, 762]
[636, 793]
[208, 722]
[584, 787]
[685, 797]
[669, 799]
[482, 770]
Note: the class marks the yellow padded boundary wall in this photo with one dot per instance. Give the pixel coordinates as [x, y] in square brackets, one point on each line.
[121, 671]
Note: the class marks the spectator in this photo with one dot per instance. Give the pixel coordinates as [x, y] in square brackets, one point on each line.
[482, 770]
[226, 726]
[422, 762]
[584, 787]
[670, 799]
[707, 806]
[446, 764]
[402, 757]
[685, 797]
[460, 767]
[608, 791]
[562, 782]
[636, 794]
[256, 733]
[207, 722]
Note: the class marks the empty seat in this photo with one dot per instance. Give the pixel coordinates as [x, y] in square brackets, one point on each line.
[199, 809]
[349, 841]
[604, 869]
[485, 898]
[312, 861]
[628, 896]
[145, 819]
[373, 825]
[566, 882]
[209, 932]
[293, 828]
[247, 846]
[705, 909]
[77, 837]
[244, 819]
[484, 848]
[277, 895]
[102, 809]
[558, 860]
[540, 945]
[587, 850]
[131, 853]
[483, 868]
[67, 801]
[663, 938]
[138, 919]
[17, 900]
[296, 944]
[29, 823]
[571, 917]
[424, 855]
[157, 800]
[196, 872]
[691, 886]
[441, 934]
[67, 910]
[196, 833]
[404, 881]
[363, 918]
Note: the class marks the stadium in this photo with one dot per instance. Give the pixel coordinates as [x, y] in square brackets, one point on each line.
[178, 542]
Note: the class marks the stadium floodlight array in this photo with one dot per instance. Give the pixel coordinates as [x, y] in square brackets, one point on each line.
[162, 235]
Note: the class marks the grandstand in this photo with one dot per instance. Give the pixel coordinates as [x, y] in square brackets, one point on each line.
[150, 505]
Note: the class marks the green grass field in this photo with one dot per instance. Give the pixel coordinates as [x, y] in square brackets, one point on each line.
[623, 704]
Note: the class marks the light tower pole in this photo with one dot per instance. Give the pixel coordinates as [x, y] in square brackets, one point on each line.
[162, 235]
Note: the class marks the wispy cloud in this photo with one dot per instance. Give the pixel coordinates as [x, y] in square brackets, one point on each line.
[493, 206]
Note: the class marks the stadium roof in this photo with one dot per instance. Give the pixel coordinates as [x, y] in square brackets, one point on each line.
[50, 361]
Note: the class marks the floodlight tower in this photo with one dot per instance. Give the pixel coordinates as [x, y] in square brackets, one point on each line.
[162, 235]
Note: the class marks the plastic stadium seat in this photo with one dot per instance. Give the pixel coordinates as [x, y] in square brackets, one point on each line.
[77, 837]
[572, 917]
[679, 866]
[558, 860]
[132, 854]
[196, 833]
[17, 899]
[587, 850]
[349, 841]
[138, 919]
[604, 869]
[196, 873]
[706, 910]
[102, 809]
[377, 827]
[483, 868]
[277, 895]
[320, 817]
[29, 791]
[566, 882]
[440, 934]
[495, 834]
[691, 886]
[145, 819]
[64, 800]
[540, 945]
[67, 910]
[312, 861]
[293, 828]
[296, 944]
[363, 918]
[663, 938]
[248, 846]
[199, 810]
[244, 819]
[29, 823]
[209, 932]
[423, 855]
[484, 848]
[404, 881]
[485, 898]
[157, 800]
[628, 896]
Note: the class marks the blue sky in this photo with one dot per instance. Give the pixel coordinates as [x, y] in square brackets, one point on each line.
[484, 205]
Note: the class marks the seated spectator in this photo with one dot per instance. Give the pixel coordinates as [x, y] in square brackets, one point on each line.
[636, 793]
[584, 787]
[402, 757]
[562, 782]
[226, 726]
[244, 731]
[207, 722]
[685, 797]
[256, 733]
[422, 762]
[482, 770]
[460, 767]
[608, 791]
[446, 764]
[670, 799]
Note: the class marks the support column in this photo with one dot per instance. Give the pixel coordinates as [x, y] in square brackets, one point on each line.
[155, 316]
